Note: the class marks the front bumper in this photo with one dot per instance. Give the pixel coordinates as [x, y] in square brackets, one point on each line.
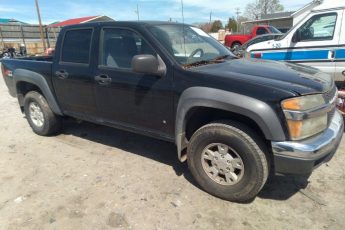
[302, 157]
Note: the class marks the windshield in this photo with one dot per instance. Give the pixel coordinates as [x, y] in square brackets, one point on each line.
[274, 30]
[189, 44]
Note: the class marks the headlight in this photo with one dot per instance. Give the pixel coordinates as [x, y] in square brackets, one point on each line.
[303, 103]
[300, 115]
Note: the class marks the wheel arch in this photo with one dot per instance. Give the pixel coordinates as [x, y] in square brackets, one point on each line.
[236, 41]
[26, 80]
[232, 106]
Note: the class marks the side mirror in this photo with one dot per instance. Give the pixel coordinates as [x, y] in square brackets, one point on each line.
[297, 36]
[148, 64]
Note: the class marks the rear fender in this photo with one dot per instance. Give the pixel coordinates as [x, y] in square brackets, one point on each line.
[23, 75]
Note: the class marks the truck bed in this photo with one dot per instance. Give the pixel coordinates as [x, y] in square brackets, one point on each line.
[38, 64]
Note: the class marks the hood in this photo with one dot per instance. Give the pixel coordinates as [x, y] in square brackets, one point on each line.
[286, 76]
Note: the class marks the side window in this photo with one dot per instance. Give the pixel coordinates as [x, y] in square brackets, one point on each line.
[76, 46]
[319, 27]
[119, 46]
[261, 31]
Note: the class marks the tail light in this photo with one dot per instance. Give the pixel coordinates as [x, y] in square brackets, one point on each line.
[6, 72]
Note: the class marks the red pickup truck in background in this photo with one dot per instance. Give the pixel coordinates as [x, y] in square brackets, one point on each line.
[234, 41]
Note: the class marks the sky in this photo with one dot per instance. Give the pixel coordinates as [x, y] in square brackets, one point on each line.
[195, 11]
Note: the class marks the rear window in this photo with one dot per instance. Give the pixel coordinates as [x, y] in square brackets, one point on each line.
[76, 46]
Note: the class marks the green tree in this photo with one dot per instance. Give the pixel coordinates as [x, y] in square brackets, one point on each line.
[232, 24]
[216, 25]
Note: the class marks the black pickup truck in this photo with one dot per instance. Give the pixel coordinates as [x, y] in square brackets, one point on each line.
[233, 120]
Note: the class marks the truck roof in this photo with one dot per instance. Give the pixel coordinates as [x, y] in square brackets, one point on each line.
[328, 4]
[124, 23]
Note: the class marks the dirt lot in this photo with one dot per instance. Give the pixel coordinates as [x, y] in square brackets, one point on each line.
[94, 177]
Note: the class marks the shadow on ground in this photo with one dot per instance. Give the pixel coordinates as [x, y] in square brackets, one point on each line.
[276, 188]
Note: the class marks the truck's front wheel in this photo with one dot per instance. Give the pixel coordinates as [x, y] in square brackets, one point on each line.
[227, 161]
[39, 115]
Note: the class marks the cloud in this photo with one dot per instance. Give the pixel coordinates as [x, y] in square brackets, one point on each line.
[6, 9]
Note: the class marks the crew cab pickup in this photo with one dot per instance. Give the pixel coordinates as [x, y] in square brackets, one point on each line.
[233, 120]
[234, 41]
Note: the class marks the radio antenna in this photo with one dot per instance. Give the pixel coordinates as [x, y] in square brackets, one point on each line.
[182, 11]
[183, 32]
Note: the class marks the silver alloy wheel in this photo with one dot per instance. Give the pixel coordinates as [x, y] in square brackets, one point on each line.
[222, 164]
[235, 49]
[36, 114]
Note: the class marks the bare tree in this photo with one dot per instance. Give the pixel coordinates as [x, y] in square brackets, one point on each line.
[205, 27]
[258, 8]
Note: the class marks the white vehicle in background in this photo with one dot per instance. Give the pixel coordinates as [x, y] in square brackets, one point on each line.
[318, 40]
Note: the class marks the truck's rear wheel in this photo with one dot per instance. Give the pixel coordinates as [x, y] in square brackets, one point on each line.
[41, 118]
[226, 161]
[235, 47]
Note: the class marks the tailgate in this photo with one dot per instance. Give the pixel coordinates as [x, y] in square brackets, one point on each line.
[7, 75]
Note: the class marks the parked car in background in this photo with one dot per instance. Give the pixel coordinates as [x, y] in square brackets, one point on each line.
[233, 120]
[318, 40]
[257, 39]
[235, 41]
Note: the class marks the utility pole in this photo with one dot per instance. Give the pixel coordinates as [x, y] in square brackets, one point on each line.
[210, 17]
[2, 39]
[40, 23]
[137, 11]
[238, 12]
[182, 11]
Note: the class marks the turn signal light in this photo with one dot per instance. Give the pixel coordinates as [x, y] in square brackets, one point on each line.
[295, 128]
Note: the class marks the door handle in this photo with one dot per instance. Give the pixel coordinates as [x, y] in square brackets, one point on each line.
[62, 74]
[103, 79]
[331, 55]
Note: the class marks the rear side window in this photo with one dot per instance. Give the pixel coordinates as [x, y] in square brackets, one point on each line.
[261, 31]
[76, 46]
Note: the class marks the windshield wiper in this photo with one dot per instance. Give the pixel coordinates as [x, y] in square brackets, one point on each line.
[206, 62]
[221, 57]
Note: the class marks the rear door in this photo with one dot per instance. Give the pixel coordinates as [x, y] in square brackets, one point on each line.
[73, 73]
[319, 40]
[129, 99]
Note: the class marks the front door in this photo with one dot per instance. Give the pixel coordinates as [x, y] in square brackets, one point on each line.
[318, 41]
[125, 98]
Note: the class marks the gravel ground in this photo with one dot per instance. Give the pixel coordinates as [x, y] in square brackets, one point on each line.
[94, 177]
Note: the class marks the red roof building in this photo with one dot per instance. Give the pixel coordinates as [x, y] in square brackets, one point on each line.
[73, 21]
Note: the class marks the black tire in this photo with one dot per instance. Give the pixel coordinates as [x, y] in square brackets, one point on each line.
[240, 139]
[235, 47]
[52, 123]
